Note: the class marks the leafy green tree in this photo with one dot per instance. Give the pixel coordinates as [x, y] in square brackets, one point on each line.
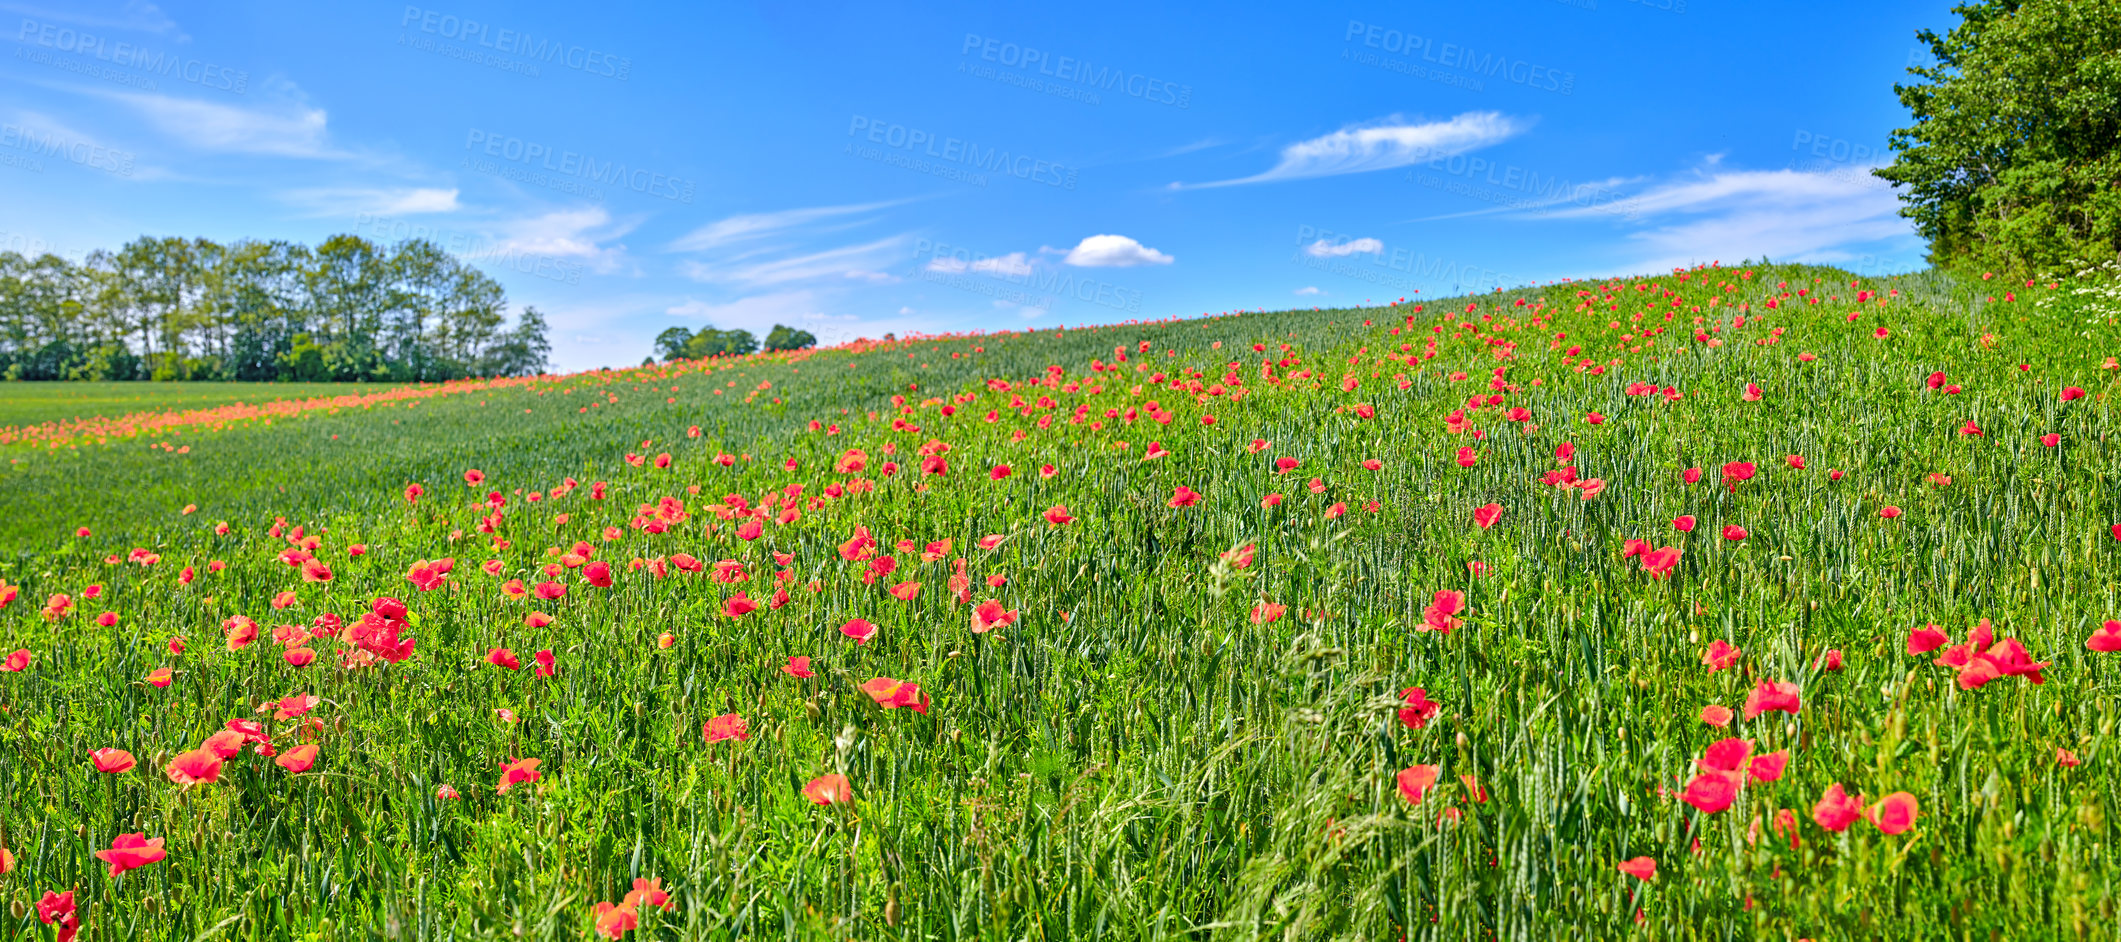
[670, 344]
[789, 338]
[2011, 162]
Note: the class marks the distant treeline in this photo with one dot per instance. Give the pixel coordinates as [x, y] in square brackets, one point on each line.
[683, 343]
[194, 309]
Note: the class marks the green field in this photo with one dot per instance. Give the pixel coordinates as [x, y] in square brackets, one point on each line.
[38, 403]
[1182, 717]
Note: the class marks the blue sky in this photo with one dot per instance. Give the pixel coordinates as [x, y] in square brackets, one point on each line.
[856, 168]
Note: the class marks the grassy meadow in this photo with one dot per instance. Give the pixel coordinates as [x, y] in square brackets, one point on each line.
[1587, 610]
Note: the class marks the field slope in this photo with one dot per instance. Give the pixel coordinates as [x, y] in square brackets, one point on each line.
[1735, 603]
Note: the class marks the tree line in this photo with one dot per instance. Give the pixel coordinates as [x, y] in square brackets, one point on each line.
[684, 343]
[194, 309]
[2013, 162]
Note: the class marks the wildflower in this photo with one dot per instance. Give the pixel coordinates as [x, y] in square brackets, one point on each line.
[1416, 780]
[299, 759]
[1485, 516]
[1641, 868]
[1895, 813]
[797, 666]
[111, 761]
[1719, 655]
[892, 694]
[131, 852]
[1441, 614]
[194, 767]
[1772, 695]
[1419, 709]
[518, 772]
[829, 790]
[726, 726]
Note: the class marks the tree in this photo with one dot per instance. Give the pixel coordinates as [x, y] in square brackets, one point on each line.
[670, 344]
[2011, 162]
[166, 308]
[788, 338]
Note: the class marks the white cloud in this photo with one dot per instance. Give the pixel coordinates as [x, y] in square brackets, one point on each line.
[1012, 265]
[1782, 214]
[1324, 249]
[1114, 251]
[355, 201]
[292, 129]
[852, 261]
[1309, 289]
[132, 15]
[756, 225]
[572, 233]
[1390, 142]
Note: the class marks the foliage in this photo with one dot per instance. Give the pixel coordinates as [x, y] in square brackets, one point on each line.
[1198, 724]
[2012, 160]
[680, 343]
[789, 338]
[176, 309]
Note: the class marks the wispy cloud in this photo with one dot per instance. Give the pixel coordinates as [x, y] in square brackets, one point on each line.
[1012, 265]
[135, 16]
[1784, 214]
[1382, 145]
[842, 263]
[757, 225]
[380, 201]
[589, 234]
[1325, 249]
[289, 129]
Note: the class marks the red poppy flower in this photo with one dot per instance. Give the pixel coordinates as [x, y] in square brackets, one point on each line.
[1719, 655]
[892, 694]
[1683, 524]
[474, 477]
[1895, 813]
[1773, 695]
[2072, 393]
[2107, 638]
[1659, 563]
[1641, 868]
[502, 657]
[989, 615]
[518, 772]
[131, 852]
[1466, 457]
[194, 767]
[1058, 516]
[111, 761]
[649, 893]
[1441, 614]
[829, 790]
[1419, 709]
[797, 666]
[1266, 612]
[1711, 792]
[1285, 465]
[2050, 439]
[1416, 780]
[1717, 715]
[546, 665]
[1485, 516]
[2066, 758]
[1767, 767]
[1734, 532]
[858, 629]
[160, 677]
[18, 661]
[726, 726]
[299, 759]
[1926, 639]
[613, 922]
